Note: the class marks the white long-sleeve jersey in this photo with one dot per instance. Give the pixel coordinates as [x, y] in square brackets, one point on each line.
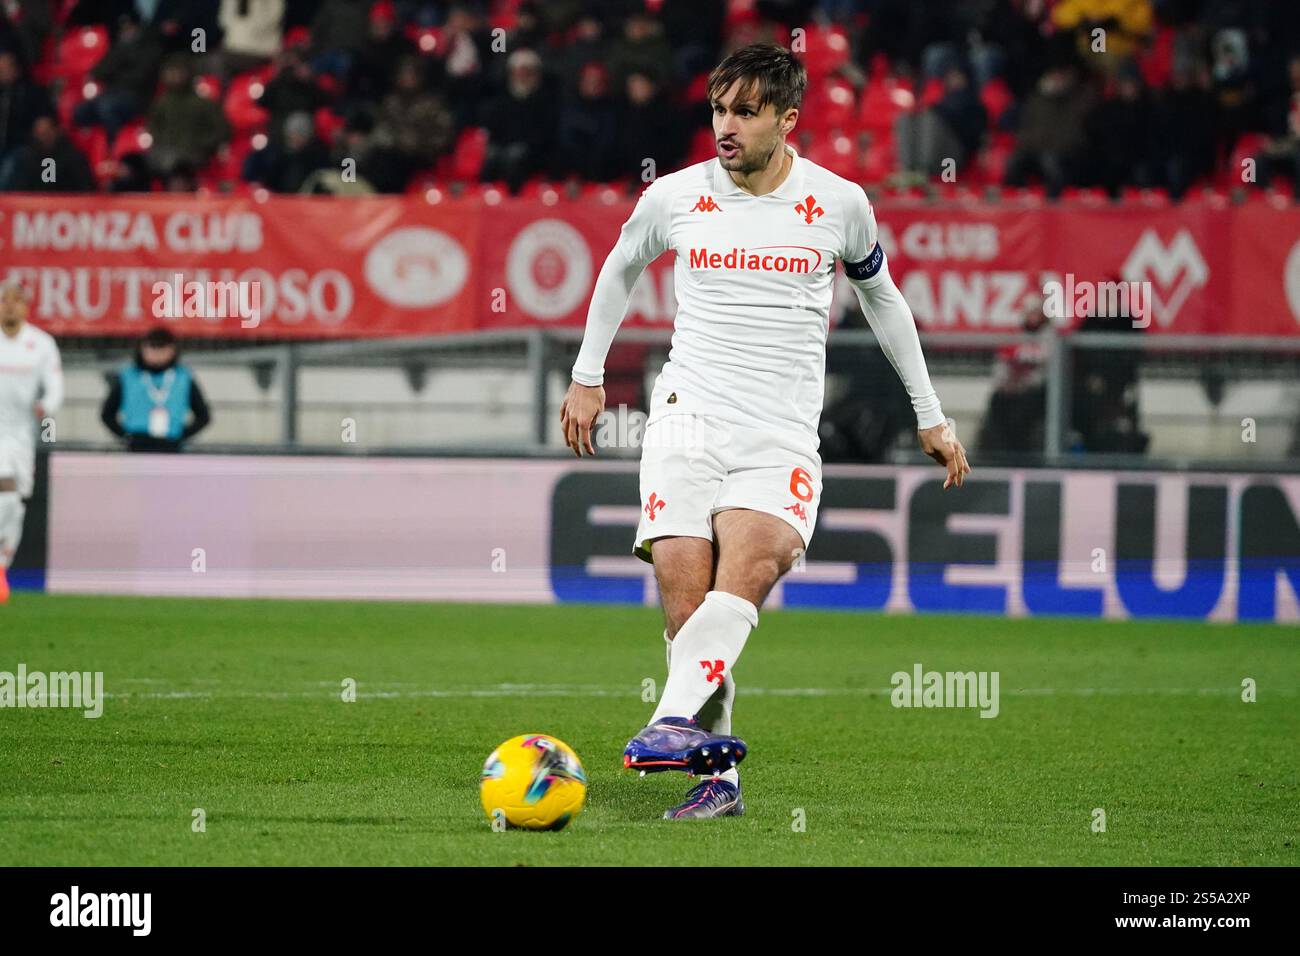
[30, 371]
[754, 278]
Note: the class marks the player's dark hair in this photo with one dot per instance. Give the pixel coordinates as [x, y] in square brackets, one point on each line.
[771, 74]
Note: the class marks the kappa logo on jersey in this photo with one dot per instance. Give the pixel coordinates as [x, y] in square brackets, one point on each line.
[809, 209]
[799, 512]
[654, 505]
[706, 204]
[714, 671]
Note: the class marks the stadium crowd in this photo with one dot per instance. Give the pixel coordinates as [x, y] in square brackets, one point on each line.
[355, 96]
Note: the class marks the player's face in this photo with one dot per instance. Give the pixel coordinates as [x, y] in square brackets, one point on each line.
[746, 135]
[13, 310]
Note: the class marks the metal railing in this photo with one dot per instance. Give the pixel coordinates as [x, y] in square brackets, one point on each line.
[544, 356]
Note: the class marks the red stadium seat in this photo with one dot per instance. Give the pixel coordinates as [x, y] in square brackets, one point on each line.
[428, 40]
[43, 68]
[882, 101]
[423, 181]
[208, 86]
[1032, 195]
[132, 138]
[505, 14]
[62, 9]
[241, 106]
[907, 193]
[1278, 196]
[1133, 196]
[491, 193]
[69, 97]
[997, 99]
[991, 162]
[696, 90]
[467, 155]
[229, 161]
[79, 51]
[954, 192]
[328, 124]
[1157, 63]
[298, 36]
[837, 153]
[703, 145]
[607, 193]
[1084, 196]
[329, 84]
[831, 107]
[543, 189]
[531, 188]
[931, 93]
[827, 49]
[93, 142]
[1218, 199]
[877, 160]
[1249, 146]
[740, 14]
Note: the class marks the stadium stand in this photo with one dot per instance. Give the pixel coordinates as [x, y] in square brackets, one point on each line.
[1190, 89]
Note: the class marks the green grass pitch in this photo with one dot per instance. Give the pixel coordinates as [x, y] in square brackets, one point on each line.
[235, 707]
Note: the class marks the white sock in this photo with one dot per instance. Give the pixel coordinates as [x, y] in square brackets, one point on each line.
[731, 775]
[715, 715]
[12, 511]
[707, 648]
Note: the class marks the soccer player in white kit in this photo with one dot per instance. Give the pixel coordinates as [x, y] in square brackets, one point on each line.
[31, 388]
[730, 474]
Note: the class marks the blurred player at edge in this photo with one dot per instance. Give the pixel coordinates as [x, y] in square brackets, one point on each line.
[29, 370]
[730, 474]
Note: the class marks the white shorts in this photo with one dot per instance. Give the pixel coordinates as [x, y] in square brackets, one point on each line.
[18, 461]
[693, 466]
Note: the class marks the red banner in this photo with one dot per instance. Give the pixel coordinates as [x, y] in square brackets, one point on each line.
[336, 268]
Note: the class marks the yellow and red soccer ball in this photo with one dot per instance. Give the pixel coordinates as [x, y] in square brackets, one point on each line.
[534, 782]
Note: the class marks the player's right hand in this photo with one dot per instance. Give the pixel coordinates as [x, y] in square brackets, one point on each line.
[578, 412]
[941, 444]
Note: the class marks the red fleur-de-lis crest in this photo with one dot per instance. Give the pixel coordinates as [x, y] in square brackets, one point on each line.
[715, 669]
[809, 209]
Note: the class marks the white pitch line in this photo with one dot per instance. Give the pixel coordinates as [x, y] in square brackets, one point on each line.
[593, 690]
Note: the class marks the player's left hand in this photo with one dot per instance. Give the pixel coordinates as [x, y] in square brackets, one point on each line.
[39, 410]
[941, 444]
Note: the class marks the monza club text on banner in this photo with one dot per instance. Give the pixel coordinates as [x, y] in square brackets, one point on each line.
[400, 265]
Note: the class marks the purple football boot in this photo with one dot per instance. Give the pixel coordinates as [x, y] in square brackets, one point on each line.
[714, 797]
[679, 743]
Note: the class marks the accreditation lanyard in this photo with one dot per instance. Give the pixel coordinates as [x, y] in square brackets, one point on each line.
[159, 417]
